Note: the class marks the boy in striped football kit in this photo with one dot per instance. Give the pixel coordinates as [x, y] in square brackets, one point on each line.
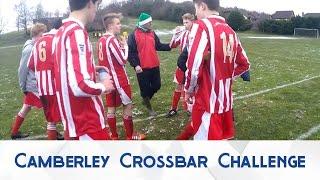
[27, 82]
[41, 62]
[180, 38]
[215, 59]
[113, 54]
[78, 93]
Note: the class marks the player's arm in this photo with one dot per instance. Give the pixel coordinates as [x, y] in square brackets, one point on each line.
[23, 67]
[242, 64]
[31, 61]
[175, 40]
[119, 54]
[160, 46]
[133, 57]
[80, 82]
[198, 41]
[182, 60]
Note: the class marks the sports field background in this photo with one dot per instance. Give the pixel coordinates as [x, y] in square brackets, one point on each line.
[281, 102]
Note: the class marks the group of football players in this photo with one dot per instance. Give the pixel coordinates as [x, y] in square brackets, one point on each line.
[58, 73]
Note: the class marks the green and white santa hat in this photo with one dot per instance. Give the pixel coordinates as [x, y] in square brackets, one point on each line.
[144, 18]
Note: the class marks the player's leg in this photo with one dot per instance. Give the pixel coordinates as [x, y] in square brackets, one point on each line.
[144, 83]
[207, 126]
[52, 131]
[111, 102]
[228, 125]
[145, 89]
[112, 122]
[51, 112]
[30, 100]
[128, 124]
[199, 128]
[127, 120]
[15, 133]
[187, 133]
[175, 101]
[125, 95]
[216, 127]
[178, 93]
[155, 81]
[184, 103]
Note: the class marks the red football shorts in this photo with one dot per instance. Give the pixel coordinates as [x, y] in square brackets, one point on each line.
[179, 77]
[32, 100]
[100, 135]
[51, 108]
[213, 126]
[119, 96]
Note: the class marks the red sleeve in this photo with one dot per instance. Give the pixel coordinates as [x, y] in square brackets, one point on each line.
[242, 64]
[198, 41]
[175, 42]
[80, 66]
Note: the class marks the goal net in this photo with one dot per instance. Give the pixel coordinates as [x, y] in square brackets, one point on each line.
[304, 32]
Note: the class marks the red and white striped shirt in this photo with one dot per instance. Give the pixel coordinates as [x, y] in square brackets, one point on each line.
[112, 56]
[78, 93]
[41, 62]
[180, 40]
[215, 58]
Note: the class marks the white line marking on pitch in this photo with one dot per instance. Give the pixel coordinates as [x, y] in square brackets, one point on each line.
[118, 124]
[309, 133]
[275, 88]
[304, 136]
[6, 47]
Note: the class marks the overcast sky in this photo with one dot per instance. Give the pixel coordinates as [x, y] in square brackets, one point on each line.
[268, 6]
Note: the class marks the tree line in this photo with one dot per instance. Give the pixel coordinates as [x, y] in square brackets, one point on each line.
[26, 14]
[286, 27]
[238, 19]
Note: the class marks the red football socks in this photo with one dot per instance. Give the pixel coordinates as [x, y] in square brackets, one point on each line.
[187, 132]
[128, 125]
[112, 122]
[175, 100]
[16, 125]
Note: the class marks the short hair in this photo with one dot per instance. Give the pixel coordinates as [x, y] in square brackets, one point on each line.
[79, 4]
[108, 18]
[37, 29]
[188, 16]
[212, 4]
[57, 24]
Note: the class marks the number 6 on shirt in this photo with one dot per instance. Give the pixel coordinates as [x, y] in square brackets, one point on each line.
[42, 51]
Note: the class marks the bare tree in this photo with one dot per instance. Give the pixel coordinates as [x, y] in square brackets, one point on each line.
[57, 13]
[24, 15]
[39, 13]
[48, 14]
[18, 23]
[2, 24]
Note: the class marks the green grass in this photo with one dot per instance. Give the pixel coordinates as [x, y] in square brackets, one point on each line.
[281, 114]
[13, 38]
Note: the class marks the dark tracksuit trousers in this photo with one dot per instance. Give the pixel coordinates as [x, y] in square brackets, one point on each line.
[149, 82]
